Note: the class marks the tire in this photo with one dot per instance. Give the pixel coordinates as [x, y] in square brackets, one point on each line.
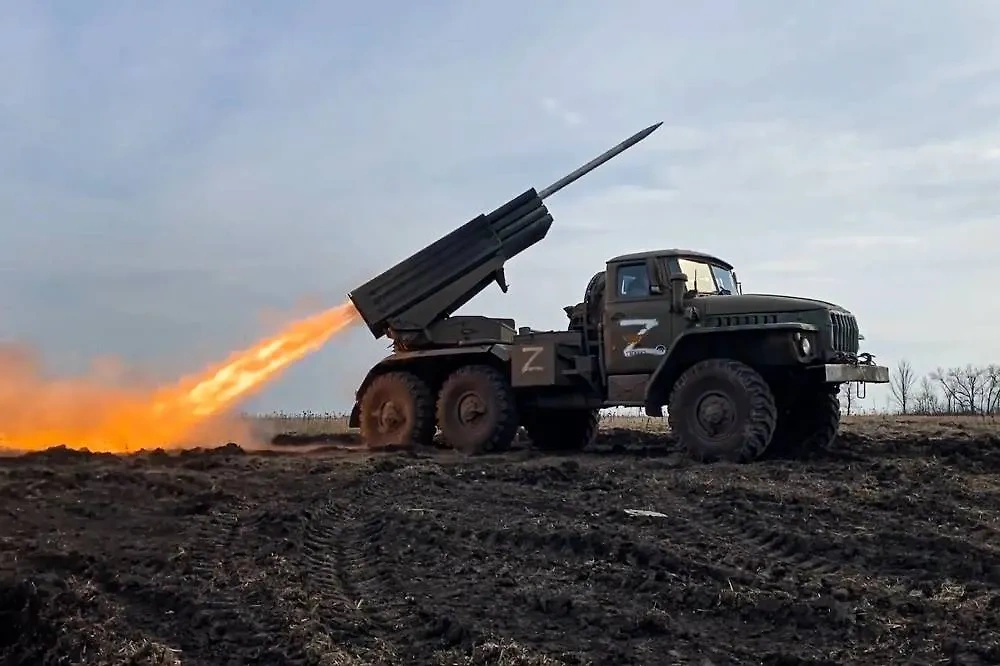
[397, 409]
[562, 429]
[476, 411]
[808, 421]
[734, 392]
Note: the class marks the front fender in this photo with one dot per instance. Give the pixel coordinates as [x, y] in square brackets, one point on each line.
[428, 363]
[766, 343]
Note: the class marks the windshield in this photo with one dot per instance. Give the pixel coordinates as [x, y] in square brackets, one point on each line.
[706, 278]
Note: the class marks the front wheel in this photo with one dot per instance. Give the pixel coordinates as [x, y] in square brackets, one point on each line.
[809, 420]
[721, 409]
[476, 410]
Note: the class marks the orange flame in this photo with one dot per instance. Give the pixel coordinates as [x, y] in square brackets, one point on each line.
[36, 414]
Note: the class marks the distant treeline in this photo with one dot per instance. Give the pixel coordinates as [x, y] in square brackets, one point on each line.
[969, 390]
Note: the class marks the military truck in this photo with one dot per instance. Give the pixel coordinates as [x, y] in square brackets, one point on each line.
[741, 375]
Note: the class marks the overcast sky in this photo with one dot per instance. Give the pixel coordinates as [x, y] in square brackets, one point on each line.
[177, 177]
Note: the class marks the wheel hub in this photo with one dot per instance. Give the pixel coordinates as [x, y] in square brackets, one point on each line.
[390, 417]
[471, 408]
[715, 414]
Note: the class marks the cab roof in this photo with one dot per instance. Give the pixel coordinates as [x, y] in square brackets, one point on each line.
[674, 252]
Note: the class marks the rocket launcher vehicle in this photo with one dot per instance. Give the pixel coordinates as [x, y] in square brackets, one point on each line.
[476, 380]
[406, 301]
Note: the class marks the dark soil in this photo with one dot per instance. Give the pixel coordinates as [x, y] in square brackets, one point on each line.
[881, 551]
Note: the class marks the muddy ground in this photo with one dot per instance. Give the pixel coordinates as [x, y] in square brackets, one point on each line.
[885, 549]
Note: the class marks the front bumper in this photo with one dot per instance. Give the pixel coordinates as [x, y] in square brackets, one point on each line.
[838, 373]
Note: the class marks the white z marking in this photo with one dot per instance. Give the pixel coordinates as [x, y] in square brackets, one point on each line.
[533, 353]
[645, 326]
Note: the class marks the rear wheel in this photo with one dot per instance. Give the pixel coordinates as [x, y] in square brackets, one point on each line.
[721, 409]
[397, 408]
[562, 429]
[808, 420]
[476, 411]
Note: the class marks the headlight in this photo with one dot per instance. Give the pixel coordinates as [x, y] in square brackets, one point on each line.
[803, 345]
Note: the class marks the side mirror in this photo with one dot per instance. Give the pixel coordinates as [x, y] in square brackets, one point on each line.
[678, 286]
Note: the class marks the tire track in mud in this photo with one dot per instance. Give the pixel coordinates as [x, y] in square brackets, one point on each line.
[335, 558]
[560, 579]
[740, 560]
[868, 575]
[794, 536]
[768, 543]
[243, 591]
[346, 573]
[596, 528]
[218, 608]
[538, 568]
[229, 586]
[227, 612]
[169, 564]
[325, 554]
[353, 540]
[862, 595]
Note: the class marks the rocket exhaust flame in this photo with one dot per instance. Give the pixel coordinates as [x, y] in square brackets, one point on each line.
[36, 414]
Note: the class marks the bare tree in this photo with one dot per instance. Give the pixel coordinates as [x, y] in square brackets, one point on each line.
[847, 396]
[969, 384]
[901, 384]
[944, 380]
[963, 388]
[991, 390]
[926, 400]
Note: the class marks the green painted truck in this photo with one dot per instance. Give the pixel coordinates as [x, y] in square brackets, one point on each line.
[740, 376]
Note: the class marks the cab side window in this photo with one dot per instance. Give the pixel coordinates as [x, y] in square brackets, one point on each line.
[633, 281]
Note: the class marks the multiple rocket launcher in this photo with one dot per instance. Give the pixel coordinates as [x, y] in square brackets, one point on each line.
[405, 301]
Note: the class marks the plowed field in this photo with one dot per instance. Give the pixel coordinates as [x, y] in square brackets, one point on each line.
[885, 549]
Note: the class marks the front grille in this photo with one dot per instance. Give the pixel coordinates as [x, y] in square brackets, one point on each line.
[845, 332]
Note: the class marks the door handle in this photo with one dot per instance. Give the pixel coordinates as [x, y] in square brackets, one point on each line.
[616, 316]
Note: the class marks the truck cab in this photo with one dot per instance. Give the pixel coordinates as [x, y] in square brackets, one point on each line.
[644, 312]
[669, 317]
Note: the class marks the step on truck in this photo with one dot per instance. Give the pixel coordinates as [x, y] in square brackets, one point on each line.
[741, 375]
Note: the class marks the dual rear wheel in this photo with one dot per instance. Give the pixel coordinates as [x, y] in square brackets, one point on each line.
[475, 409]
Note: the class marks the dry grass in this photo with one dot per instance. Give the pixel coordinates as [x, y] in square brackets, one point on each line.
[303, 423]
[500, 652]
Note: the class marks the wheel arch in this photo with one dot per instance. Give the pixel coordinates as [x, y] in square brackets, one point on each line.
[431, 365]
[756, 345]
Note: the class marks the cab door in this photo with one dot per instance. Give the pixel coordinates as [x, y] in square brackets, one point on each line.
[636, 318]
